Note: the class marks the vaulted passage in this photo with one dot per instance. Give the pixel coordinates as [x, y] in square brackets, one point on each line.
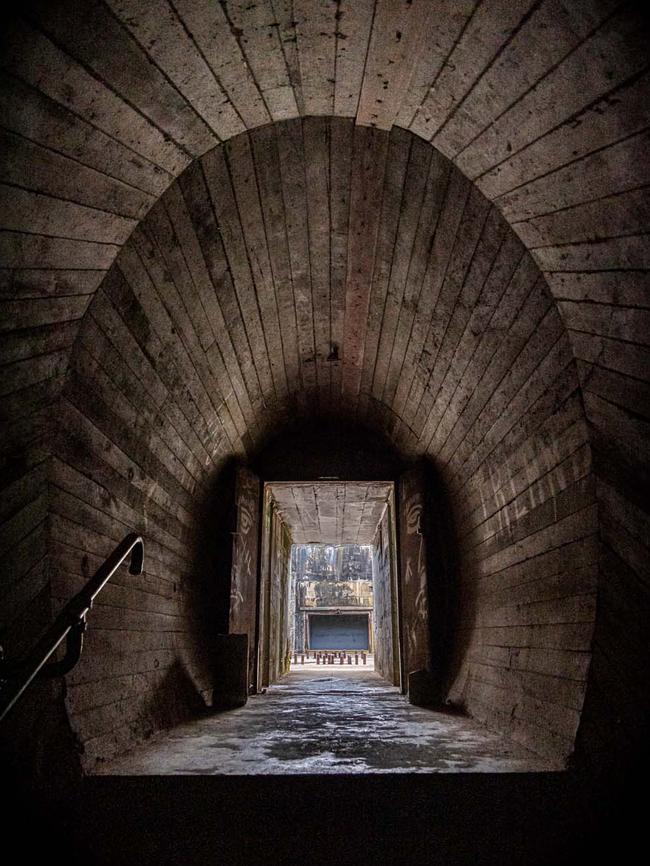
[228, 312]
[402, 299]
[303, 243]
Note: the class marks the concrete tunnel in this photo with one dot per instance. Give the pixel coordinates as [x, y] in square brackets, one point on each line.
[328, 240]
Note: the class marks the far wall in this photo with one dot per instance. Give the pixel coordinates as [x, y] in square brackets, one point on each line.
[330, 577]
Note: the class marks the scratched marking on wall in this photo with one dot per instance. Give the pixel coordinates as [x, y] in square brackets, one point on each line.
[243, 586]
[415, 608]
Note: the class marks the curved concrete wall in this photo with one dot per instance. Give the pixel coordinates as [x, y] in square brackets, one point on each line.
[542, 105]
[226, 315]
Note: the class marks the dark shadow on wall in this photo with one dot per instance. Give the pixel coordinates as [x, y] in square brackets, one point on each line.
[175, 700]
[208, 592]
[324, 448]
[443, 563]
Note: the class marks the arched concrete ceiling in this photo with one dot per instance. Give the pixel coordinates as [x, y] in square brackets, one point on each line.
[543, 105]
[321, 268]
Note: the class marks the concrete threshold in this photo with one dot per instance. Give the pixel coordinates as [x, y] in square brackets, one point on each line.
[327, 721]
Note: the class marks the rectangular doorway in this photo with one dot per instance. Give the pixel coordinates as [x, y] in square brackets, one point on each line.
[328, 574]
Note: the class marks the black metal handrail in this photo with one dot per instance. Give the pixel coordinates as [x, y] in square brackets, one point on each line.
[70, 624]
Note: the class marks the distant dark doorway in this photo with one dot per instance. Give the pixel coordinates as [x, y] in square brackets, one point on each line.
[338, 631]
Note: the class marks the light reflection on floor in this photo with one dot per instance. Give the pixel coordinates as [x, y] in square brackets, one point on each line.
[328, 719]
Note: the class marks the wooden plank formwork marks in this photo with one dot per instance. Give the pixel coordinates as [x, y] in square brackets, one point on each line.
[365, 209]
[332, 262]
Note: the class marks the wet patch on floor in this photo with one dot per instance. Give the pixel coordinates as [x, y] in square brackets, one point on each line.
[328, 724]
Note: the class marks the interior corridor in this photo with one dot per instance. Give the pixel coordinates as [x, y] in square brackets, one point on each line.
[327, 720]
[296, 272]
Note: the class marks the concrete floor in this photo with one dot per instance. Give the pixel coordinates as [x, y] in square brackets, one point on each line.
[327, 720]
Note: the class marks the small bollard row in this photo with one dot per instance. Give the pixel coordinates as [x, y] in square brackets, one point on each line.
[330, 658]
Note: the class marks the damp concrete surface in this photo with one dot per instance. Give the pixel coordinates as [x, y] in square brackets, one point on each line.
[327, 719]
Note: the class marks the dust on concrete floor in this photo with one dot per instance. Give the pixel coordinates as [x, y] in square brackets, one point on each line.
[340, 721]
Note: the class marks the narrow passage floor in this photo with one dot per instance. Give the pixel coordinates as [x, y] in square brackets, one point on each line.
[327, 721]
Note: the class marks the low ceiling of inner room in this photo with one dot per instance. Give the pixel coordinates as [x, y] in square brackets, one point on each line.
[331, 512]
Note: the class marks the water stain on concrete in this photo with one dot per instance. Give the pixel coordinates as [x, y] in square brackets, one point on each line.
[350, 722]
